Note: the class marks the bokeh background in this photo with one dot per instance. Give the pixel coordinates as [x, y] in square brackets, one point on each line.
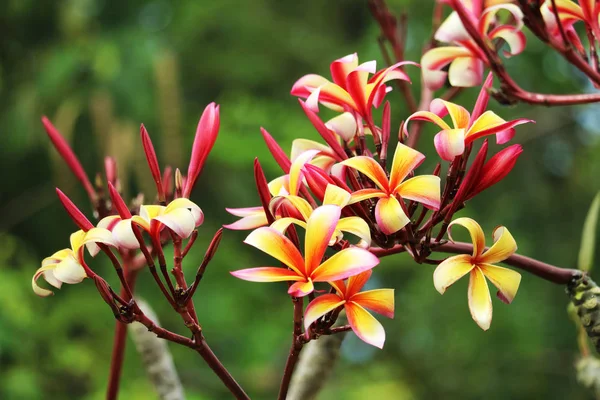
[99, 68]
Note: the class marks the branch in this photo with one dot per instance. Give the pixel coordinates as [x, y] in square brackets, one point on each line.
[511, 92]
[549, 272]
[295, 349]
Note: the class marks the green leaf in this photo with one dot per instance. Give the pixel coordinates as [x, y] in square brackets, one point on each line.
[588, 237]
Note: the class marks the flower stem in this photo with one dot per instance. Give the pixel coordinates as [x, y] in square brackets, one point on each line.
[119, 343]
[295, 349]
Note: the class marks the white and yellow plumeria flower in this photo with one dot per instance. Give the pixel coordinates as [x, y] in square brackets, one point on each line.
[65, 266]
[181, 215]
[480, 266]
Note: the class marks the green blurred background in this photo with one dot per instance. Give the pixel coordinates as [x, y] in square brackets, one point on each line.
[98, 68]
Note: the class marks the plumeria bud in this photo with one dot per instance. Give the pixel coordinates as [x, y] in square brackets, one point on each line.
[483, 98]
[317, 180]
[110, 169]
[206, 135]
[178, 183]
[325, 133]
[385, 130]
[263, 189]
[213, 246]
[72, 161]
[118, 202]
[496, 168]
[167, 181]
[471, 179]
[278, 154]
[152, 162]
[74, 212]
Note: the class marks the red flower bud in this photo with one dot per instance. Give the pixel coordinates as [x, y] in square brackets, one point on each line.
[110, 169]
[278, 154]
[497, 168]
[152, 162]
[72, 161]
[263, 190]
[317, 180]
[206, 135]
[118, 202]
[325, 133]
[74, 212]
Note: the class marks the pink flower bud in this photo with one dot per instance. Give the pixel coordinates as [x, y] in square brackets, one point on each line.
[263, 189]
[206, 135]
[325, 133]
[317, 180]
[118, 202]
[497, 168]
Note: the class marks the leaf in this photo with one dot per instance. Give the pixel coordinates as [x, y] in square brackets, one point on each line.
[588, 237]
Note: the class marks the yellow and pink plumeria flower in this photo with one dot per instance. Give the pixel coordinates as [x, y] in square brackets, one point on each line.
[352, 89]
[65, 266]
[569, 13]
[480, 265]
[466, 59]
[355, 303]
[334, 195]
[451, 141]
[389, 212]
[304, 271]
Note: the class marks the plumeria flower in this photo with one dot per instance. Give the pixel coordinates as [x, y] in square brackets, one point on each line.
[389, 213]
[304, 271]
[465, 128]
[351, 89]
[65, 266]
[334, 195]
[355, 303]
[480, 266]
[466, 59]
[569, 13]
[181, 215]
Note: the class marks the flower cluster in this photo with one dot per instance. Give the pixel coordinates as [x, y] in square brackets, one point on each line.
[343, 187]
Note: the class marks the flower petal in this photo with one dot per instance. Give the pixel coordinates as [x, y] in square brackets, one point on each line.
[366, 327]
[504, 246]
[277, 246]
[336, 195]
[69, 271]
[450, 270]
[425, 116]
[301, 288]
[123, 235]
[465, 72]
[343, 125]
[423, 188]
[364, 194]
[477, 236]
[321, 306]
[46, 272]
[380, 301]
[305, 85]
[282, 224]
[356, 283]
[180, 221]
[348, 262]
[506, 280]
[248, 222]
[358, 227]
[370, 168]
[405, 160]
[435, 59]
[341, 67]
[450, 143]
[319, 229]
[266, 274]
[296, 174]
[389, 215]
[460, 116]
[480, 302]
[452, 29]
